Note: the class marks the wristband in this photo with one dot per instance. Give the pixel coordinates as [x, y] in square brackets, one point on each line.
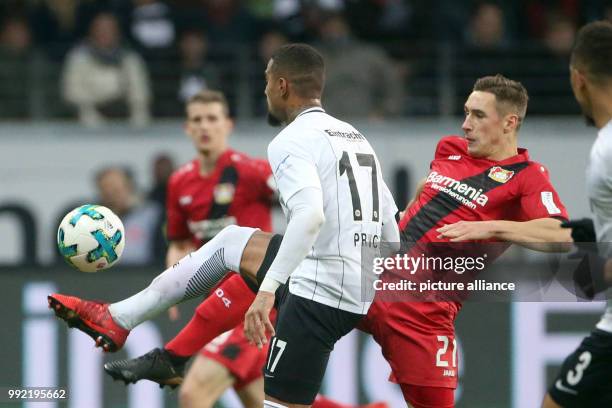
[269, 285]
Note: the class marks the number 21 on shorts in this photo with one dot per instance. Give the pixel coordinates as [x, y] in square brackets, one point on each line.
[442, 358]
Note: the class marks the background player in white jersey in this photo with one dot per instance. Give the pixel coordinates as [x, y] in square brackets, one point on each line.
[331, 188]
[585, 379]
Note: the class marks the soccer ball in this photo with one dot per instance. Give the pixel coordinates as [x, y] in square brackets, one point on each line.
[91, 238]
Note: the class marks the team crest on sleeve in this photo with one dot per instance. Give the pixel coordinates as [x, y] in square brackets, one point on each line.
[224, 193]
[185, 200]
[500, 175]
[549, 202]
[186, 167]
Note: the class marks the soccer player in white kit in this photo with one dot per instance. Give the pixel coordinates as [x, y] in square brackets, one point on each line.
[331, 189]
[585, 379]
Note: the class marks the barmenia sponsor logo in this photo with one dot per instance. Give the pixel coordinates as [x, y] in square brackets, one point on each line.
[461, 192]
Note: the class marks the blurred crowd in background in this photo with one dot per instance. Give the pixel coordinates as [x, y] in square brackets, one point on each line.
[95, 60]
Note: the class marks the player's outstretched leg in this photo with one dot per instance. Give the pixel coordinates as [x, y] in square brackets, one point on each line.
[234, 248]
[92, 318]
[223, 310]
[231, 300]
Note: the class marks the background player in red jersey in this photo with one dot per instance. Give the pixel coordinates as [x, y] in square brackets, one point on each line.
[219, 187]
[480, 187]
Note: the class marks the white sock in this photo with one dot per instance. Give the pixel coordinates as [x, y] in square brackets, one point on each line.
[194, 275]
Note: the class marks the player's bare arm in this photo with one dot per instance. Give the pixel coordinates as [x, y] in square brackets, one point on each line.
[542, 234]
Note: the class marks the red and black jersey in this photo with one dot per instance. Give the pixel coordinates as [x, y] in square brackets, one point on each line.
[239, 187]
[464, 188]
[417, 332]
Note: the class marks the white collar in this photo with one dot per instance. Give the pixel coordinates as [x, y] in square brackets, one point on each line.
[309, 110]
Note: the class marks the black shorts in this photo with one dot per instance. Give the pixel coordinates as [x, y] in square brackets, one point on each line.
[585, 379]
[306, 332]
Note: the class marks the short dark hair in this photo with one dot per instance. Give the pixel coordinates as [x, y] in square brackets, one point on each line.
[593, 50]
[210, 96]
[304, 68]
[506, 91]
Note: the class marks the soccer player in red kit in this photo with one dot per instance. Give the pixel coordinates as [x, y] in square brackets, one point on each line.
[219, 187]
[481, 187]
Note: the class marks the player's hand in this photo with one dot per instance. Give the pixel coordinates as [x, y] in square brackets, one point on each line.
[466, 231]
[583, 230]
[174, 313]
[589, 275]
[257, 319]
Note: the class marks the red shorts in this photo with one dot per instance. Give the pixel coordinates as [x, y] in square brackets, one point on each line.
[417, 339]
[243, 360]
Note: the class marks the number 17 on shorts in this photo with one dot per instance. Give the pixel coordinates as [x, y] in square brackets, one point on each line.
[277, 348]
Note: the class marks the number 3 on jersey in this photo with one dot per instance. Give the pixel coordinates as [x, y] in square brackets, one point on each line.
[345, 167]
[574, 376]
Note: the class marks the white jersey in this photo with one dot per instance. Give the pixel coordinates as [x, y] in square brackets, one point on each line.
[317, 150]
[599, 187]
